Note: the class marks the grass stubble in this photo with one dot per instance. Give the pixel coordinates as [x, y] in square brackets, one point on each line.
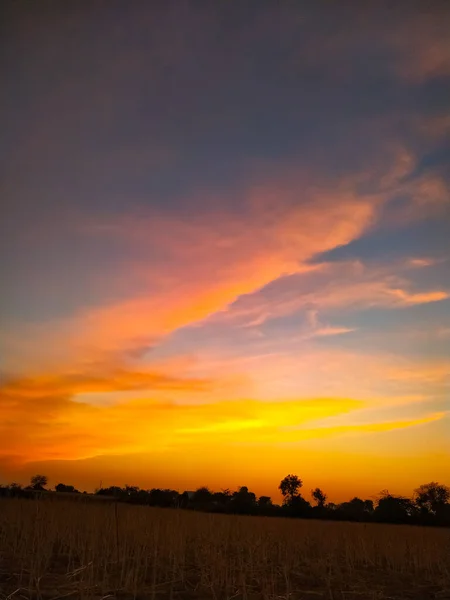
[52, 549]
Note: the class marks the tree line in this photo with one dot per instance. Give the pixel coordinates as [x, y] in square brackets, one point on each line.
[429, 504]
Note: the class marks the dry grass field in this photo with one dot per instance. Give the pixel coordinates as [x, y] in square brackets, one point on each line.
[87, 549]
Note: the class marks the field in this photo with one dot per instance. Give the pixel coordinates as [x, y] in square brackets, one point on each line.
[53, 549]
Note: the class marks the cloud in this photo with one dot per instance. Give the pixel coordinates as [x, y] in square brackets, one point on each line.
[361, 429]
[45, 421]
[202, 264]
[435, 372]
[326, 331]
[180, 269]
[101, 379]
[291, 364]
[422, 46]
[422, 262]
[330, 288]
[53, 416]
[414, 49]
[419, 298]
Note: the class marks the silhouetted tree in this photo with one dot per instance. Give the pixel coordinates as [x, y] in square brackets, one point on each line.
[164, 498]
[289, 487]
[69, 489]
[202, 496]
[222, 500]
[319, 497]
[394, 509]
[265, 506]
[12, 490]
[38, 482]
[430, 506]
[113, 490]
[297, 507]
[355, 510]
[264, 501]
[432, 498]
[243, 501]
[183, 500]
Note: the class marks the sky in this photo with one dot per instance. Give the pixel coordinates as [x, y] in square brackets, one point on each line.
[225, 244]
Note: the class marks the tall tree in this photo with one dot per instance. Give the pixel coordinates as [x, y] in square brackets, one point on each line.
[432, 497]
[394, 509]
[319, 497]
[289, 487]
[243, 501]
[38, 482]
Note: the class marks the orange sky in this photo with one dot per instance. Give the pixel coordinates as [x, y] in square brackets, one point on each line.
[246, 278]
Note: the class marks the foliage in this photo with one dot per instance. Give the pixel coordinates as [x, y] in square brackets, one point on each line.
[264, 501]
[38, 482]
[319, 497]
[355, 510]
[289, 487]
[67, 489]
[432, 497]
[202, 495]
[429, 506]
[394, 509]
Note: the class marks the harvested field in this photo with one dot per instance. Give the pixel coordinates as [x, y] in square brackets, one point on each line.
[83, 549]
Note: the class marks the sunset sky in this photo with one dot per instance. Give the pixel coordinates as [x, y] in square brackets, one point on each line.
[225, 244]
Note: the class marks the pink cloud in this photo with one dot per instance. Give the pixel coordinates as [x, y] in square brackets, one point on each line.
[326, 331]
[329, 287]
[419, 298]
[191, 269]
[422, 262]
[196, 267]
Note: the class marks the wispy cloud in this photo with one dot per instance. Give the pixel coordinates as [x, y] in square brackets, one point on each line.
[42, 421]
[334, 287]
[422, 262]
[326, 331]
[419, 298]
[362, 428]
[204, 264]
